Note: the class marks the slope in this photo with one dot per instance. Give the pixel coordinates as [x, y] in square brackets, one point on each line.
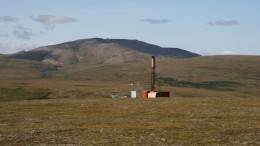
[113, 51]
[211, 76]
[16, 69]
[204, 76]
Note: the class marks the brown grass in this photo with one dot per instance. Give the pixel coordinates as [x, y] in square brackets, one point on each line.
[180, 121]
[100, 80]
[81, 112]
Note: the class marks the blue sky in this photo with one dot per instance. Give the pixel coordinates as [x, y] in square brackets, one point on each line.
[203, 26]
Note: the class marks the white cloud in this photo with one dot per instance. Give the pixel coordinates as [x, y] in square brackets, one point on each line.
[8, 48]
[217, 53]
[22, 32]
[228, 53]
[50, 21]
[7, 19]
[156, 21]
[223, 22]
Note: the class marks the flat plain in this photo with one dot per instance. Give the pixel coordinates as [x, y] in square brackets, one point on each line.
[105, 121]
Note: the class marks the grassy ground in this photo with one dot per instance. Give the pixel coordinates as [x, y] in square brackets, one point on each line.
[214, 76]
[57, 88]
[105, 121]
[215, 100]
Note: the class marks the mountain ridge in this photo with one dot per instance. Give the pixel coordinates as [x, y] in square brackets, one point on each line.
[102, 50]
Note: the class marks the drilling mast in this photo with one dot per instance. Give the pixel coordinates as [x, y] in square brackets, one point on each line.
[153, 74]
[153, 93]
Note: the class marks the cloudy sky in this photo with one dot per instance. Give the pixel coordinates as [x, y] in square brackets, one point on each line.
[207, 27]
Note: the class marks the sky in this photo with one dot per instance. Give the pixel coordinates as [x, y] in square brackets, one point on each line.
[207, 27]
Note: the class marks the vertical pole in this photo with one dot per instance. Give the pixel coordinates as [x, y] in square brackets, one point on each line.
[153, 74]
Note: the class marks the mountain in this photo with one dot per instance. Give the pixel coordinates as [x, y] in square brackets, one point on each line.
[210, 76]
[115, 51]
[96, 67]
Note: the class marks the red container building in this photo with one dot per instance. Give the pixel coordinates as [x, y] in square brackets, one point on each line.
[145, 94]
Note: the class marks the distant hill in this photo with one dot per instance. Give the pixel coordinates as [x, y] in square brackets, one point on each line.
[16, 69]
[113, 51]
[96, 67]
[211, 76]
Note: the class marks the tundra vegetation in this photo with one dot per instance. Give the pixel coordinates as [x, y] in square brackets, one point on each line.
[214, 100]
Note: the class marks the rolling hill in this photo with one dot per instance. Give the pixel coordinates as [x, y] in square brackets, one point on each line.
[216, 97]
[58, 95]
[18, 69]
[97, 67]
[113, 51]
[212, 76]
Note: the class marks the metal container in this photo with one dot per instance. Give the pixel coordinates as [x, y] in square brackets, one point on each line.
[133, 94]
[153, 94]
[164, 94]
[145, 94]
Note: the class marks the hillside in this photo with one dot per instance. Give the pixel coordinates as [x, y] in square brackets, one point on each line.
[216, 97]
[211, 76]
[204, 76]
[16, 69]
[113, 51]
[97, 67]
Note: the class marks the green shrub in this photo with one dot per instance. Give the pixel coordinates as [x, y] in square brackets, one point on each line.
[212, 85]
[8, 94]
